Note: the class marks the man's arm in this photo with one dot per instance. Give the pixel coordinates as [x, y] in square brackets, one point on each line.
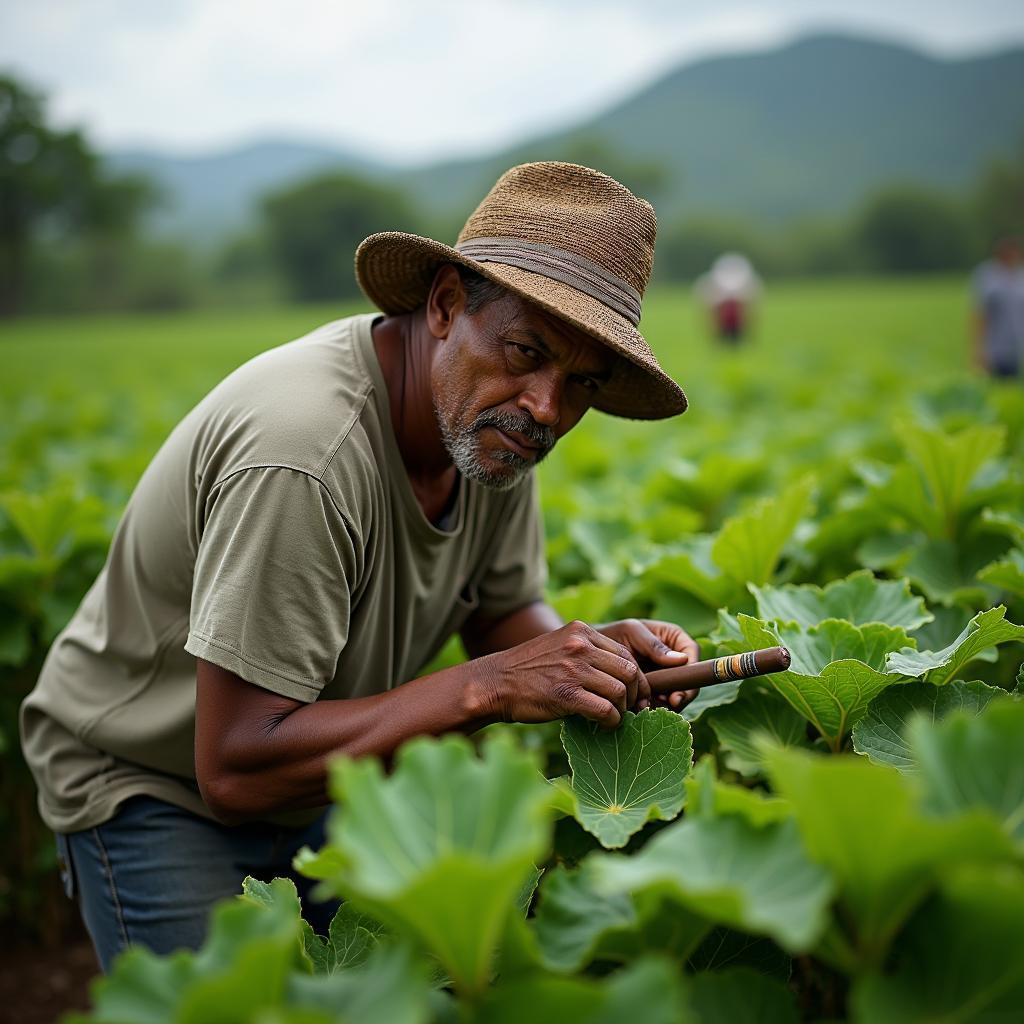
[259, 753]
[485, 635]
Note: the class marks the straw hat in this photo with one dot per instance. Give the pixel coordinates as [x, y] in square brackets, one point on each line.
[566, 238]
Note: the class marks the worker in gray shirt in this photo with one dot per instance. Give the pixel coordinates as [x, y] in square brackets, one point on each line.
[998, 288]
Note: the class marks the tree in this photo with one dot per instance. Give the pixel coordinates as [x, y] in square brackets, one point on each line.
[52, 185]
[314, 228]
[998, 206]
[906, 229]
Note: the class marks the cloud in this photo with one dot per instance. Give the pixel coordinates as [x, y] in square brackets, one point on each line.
[396, 78]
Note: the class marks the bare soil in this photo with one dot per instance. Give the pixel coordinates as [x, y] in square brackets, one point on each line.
[39, 984]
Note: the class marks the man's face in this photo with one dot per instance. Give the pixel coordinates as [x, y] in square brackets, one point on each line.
[508, 381]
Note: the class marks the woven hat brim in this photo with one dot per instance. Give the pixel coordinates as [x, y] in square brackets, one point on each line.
[395, 271]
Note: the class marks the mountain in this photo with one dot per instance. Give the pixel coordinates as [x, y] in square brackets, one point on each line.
[807, 128]
[206, 197]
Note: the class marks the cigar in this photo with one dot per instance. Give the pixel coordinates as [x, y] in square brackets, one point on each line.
[719, 670]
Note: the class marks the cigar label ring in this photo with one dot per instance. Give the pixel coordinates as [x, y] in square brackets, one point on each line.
[719, 670]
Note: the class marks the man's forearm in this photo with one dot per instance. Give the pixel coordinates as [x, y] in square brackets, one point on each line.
[480, 636]
[280, 762]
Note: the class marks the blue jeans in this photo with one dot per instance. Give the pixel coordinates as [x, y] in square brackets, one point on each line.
[151, 875]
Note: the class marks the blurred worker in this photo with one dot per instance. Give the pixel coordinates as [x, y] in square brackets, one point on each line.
[998, 288]
[729, 290]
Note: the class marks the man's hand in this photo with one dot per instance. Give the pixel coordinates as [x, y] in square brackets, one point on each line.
[573, 670]
[662, 643]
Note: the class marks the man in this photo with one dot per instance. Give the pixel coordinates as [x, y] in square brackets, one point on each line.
[998, 288]
[312, 532]
[729, 290]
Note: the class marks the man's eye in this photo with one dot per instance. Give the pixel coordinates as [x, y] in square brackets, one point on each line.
[525, 352]
[588, 383]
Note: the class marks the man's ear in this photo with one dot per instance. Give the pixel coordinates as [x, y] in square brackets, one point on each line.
[447, 298]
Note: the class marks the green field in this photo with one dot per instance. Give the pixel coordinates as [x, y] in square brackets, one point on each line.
[842, 840]
[868, 344]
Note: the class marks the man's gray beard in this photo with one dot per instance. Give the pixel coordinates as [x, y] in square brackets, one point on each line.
[463, 446]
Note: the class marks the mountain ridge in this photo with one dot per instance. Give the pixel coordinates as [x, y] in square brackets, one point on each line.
[807, 128]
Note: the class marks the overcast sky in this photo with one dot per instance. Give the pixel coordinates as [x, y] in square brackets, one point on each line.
[409, 79]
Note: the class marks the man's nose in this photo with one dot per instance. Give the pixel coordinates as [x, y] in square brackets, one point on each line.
[543, 400]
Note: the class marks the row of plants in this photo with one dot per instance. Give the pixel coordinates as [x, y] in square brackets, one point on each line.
[838, 841]
[875, 888]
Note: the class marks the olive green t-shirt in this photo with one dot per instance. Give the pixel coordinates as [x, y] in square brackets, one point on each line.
[275, 534]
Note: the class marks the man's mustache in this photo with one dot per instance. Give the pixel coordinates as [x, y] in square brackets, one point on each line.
[536, 433]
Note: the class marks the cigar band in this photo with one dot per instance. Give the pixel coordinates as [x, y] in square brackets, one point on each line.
[736, 666]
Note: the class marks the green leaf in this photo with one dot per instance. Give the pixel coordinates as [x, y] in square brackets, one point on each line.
[724, 947]
[689, 566]
[741, 996]
[959, 959]
[831, 694]
[985, 630]
[253, 947]
[881, 733]
[588, 602]
[707, 796]
[573, 918]
[947, 571]
[15, 639]
[862, 822]
[1005, 523]
[652, 983]
[749, 545]
[709, 697]
[949, 464]
[282, 890]
[52, 524]
[442, 847]
[765, 884]
[576, 923]
[859, 599]
[390, 987]
[625, 777]
[741, 727]
[815, 648]
[974, 762]
[1007, 573]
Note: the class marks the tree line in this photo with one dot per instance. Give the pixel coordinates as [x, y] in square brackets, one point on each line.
[74, 237]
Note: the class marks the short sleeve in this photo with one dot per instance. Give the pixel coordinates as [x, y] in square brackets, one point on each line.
[273, 577]
[517, 570]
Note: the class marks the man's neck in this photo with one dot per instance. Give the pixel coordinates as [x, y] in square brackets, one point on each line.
[403, 351]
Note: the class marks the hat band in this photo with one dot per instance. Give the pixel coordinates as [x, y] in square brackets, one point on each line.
[568, 267]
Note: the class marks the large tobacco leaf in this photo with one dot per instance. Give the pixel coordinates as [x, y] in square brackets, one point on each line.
[757, 714]
[441, 848]
[860, 598]
[837, 668]
[766, 884]
[958, 959]
[254, 966]
[577, 922]
[863, 822]
[942, 482]
[651, 987]
[749, 545]
[969, 762]
[717, 568]
[391, 986]
[740, 995]
[622, 778]
[986, 630]
[708, 796]
[1007, 573]
[881, 734]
